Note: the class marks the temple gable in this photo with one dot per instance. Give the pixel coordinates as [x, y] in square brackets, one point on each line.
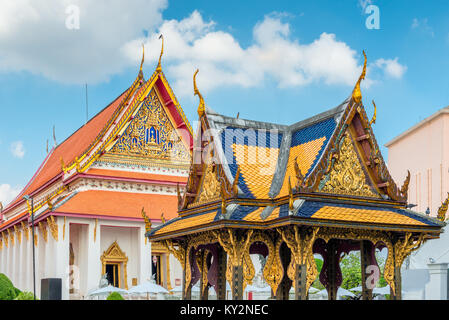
[347, 175]
[152, 135]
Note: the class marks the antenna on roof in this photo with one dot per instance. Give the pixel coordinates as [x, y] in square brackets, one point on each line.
[54, 136]
[87, 106]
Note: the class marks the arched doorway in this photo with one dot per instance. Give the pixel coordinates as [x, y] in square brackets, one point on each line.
[114, 263]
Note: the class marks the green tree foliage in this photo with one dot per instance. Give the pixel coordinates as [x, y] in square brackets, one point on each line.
[7, 289]
[351, 271]
[115, 296]
[25, 295]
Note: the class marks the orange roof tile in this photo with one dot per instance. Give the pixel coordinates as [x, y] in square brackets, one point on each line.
[121, 204]
[364, 215]
[72, 147]
[12, 220]
[136, 175]
[257, 166]
[188, 222]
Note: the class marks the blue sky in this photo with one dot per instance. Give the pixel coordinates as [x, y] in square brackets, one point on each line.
[271, 61]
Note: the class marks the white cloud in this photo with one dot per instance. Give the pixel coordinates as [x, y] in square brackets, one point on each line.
[34, 37]
[194, 43]
[423, 26]
[391, 67]
[17, 149]
[8, 193]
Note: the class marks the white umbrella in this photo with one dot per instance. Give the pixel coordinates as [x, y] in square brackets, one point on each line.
[148, 287]
[107, 290]
[356, 289]
[340, 292]
[312, 290]
[251, 288]
[195, 288]
[383, 290]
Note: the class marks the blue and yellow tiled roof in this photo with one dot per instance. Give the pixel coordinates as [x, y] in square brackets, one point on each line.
[326, 212]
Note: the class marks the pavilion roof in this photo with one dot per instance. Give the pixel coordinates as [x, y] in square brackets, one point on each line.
[311, 211]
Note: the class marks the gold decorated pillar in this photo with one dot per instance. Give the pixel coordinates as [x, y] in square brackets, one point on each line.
[235, 243]
[221, 276]
[402, 247]
[302, 269]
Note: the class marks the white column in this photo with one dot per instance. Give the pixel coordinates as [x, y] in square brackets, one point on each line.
[20, 263]
[145, 257]
[12, 272]
[93, 256]
[436, 288]
[61, 257]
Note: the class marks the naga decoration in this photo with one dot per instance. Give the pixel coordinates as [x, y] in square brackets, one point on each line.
[159, 68]
[53, 226]
[357, 93]
[201, 106]
[290, 195]
[299, 177]
[373, 119]
[147, 220]
[141, 62]
[404, 188]
[201, 261]
[443, 209]
[403, 248]
[301, 243]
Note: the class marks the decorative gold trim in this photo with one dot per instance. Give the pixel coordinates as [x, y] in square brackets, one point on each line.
[11, 237]
[201, 106]
[373, 119]
[43, 229]
[115, 255]
[18, 233]
[5, 236]
[159, 67]
[300, 242]
[357, 93]
[147, 221]
[53, 226]
[95, 230]
[443, 209]
[26, 230]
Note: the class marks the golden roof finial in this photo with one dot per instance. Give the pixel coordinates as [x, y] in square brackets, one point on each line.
[147, 220]
[159, 68]
[201, 106]
[143, 59]
[443, 209]
[373, 120]
[357, 94]
[1, 206]
[290, 195]
[162, 218]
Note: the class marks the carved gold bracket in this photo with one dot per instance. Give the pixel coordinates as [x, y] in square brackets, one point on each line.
[43, 229]
[18, 233]
[53, 226]
[300, 242]
[26, 230]
[11, 237]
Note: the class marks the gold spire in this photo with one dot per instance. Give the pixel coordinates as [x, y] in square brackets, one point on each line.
[373, 120]
[201, 106]
[443, 209]
[290, 195]
[357, 94]
[162, 218]
[143, 59]
[159, 68]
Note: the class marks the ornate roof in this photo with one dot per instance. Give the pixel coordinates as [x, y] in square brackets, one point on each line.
[326, 170]
[134, 153]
